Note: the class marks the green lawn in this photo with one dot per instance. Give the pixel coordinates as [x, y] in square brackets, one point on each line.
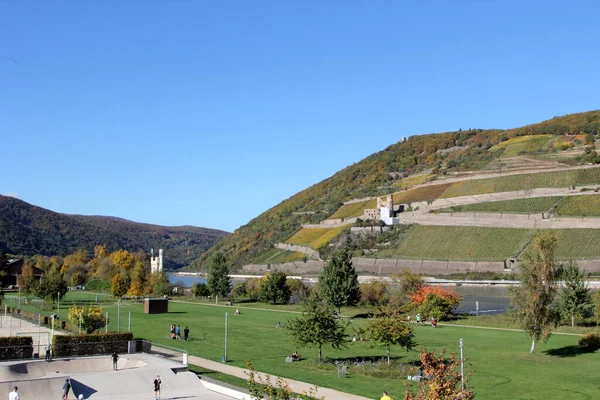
[499, 361]
[533, 205]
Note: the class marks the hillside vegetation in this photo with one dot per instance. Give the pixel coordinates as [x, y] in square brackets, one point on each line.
[381, 173]
[29, 230]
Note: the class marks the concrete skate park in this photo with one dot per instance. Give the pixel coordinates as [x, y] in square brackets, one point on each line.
[95, 379]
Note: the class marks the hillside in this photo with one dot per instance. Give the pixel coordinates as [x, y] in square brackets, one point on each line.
[422, 158]
[28, 230]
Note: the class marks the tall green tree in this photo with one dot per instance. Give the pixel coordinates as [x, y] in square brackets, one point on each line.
[390, 328]
[317, 326]
[27, 280]
[51, 285]
[274, 288]
[534, 298]
[338, 283]
[119, 286]
[576, 299]
[218, 280]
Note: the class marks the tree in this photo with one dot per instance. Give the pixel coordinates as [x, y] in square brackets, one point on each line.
[138, 280]
[596, 301]
[435, 301]
[338, 283]
[27, 280]
[274, 288]
[445, 379]
[118, 288]
[51, 285]
[408, 281]
[122, 259]
[390, 328]
[91, 318]
[77, 279]
[317, 326]
[200, 290]
[219, 282]
[533, 299]
[576, 299]
[374, 293]
[158, 284]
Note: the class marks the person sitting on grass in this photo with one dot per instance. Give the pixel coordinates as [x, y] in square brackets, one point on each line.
[296, 356]
[237, 311]
[278, 325]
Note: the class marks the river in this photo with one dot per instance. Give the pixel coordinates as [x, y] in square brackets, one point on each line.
[492, 299]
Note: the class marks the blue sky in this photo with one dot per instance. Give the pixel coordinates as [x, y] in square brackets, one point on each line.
[208, 113]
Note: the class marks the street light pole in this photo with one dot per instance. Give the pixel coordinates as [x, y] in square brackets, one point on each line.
[58, 308]
[226, 326]
[462, 365]
[19, 297]
[119, 316]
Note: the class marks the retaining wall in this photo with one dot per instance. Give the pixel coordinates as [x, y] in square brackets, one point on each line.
[301, 249]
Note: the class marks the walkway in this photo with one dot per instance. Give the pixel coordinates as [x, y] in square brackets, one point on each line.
[296, 386]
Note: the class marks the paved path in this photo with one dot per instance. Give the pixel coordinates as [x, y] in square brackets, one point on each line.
[296, 386]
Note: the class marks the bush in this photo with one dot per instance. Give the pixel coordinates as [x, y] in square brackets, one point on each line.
[590, 341]
[98, 284]
[83, 345]
[16, 347]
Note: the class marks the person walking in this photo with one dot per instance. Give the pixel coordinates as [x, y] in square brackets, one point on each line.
[14, 395]
[66, 388]
[178, 332]
[186, 333]
[49, 352]
[385, 396]
[157, 384]
[115, 358]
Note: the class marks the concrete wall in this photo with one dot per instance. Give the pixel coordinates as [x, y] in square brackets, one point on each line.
[301, 249]
[388, 266]
[513, 216]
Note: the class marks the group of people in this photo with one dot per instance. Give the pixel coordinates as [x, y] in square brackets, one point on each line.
[176, 332]
[420, 320]
[296, 356]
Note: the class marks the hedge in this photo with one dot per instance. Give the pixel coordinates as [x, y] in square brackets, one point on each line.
[93, 344]
[16, 347]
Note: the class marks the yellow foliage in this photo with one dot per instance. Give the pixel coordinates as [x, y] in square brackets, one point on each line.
[122, 259]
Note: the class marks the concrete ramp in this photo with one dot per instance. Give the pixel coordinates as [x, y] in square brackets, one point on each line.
[35, 389]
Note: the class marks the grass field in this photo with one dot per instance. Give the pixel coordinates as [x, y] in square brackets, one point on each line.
[524, 144]
[460, 243]
[354, 209]
[278, 256]
[499, 361]
[580, 206]
[533, 205]
[315, 237]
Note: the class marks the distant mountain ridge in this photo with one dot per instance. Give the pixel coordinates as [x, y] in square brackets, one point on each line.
[28, 230]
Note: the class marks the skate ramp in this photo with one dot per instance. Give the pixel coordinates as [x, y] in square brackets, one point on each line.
[45, 369]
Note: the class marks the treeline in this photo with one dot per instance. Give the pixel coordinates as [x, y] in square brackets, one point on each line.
[376, 175]
[28, 230]
[119, 272]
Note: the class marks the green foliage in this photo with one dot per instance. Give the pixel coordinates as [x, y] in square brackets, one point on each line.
[219, 282]
[317, 326]
[98, 284]
[28, 230]
[91, 318]
[534, 298]
[118, 288]
[408, 282]
[274, 288]
[299, 292]
[16, 347]
[436, 306]
[92, 344]
[27, 280]
[338, 282]
[374, 293]
[51, 284]
[590, 341]
[200, 289]
[158, 284]
[580, 206]
[389, 327]
[576, 300]
[523, 145]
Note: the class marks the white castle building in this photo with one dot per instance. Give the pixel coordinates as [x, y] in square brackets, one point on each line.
[156, 263]
[383, 212]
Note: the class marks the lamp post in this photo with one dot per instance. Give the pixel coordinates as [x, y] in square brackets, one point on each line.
[462, 365]
[226, 326]
[19, 297]
[58, 307]
[119, 315]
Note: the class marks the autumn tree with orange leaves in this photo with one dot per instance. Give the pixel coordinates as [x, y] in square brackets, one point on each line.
[435, 301]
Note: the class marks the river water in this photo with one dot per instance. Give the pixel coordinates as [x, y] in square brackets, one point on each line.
[492, 299]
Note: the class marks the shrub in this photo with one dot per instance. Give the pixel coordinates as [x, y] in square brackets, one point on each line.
[590, 341]
[98, 284]
[374, 293]
[435, 301]
[82, 345]
[91, 317]
[16, 347]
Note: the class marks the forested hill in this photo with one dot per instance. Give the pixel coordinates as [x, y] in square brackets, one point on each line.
[385, 172]
[28, 230]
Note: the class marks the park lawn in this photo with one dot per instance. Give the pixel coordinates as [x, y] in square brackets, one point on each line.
[580, 206]
[531, 205]
[499, 361]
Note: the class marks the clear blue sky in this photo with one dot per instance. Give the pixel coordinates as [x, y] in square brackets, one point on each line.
[208, 113]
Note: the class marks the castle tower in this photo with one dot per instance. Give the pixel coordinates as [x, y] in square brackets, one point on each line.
[390, 205]
[156, 263]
